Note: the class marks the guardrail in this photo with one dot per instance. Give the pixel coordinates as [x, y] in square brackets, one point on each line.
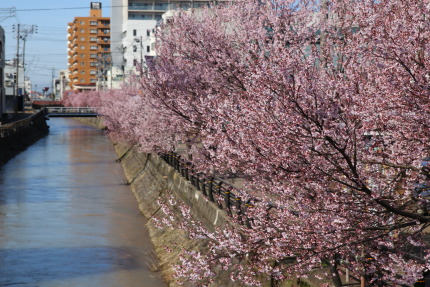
[9, 129]
[71, 110]
[226, 196]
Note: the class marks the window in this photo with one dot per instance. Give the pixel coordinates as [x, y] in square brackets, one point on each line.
[82, 38]
[93, 64]
[93, 31]
[140, 6]
[93, 23]
[148, 49]
[82, 22]
[140, 17]
[82, 30]
[184, 5]
[93, 72]
[83, 72]
[82, 81]
[82, 63]
[148, 32]
[93, 39]
[96, 5]
[93, 56]
[134, 32]
[93, 80]
[82, 47]
[199, 5]
[135, 48]
[82, 55]
[93, 48]
[161, 6]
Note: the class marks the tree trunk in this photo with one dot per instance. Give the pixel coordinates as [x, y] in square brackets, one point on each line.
[335, 274]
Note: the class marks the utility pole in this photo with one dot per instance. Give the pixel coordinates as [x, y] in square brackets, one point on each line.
[139, 40]
[141, 55]
[22, 33]
[17, 58]
[7, 13]
[52, 84]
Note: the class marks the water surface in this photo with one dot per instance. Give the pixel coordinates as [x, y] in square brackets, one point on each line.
[66, 219]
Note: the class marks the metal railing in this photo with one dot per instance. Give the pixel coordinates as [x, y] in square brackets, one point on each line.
[226, 196]
[72, 110]
[229, 198]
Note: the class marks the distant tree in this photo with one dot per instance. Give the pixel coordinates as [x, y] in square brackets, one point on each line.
[82, 99]
[137, 118]
[323, 108]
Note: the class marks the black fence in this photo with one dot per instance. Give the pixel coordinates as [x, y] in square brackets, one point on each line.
[222, 193]
[226, 196]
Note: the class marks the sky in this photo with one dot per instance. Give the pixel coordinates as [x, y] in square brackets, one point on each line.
[46, 50]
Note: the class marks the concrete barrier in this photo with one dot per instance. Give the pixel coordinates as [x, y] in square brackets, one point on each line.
[17, 136]
[151, 179]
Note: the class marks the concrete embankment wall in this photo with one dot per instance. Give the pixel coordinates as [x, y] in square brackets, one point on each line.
[17, 136]
[151, 180]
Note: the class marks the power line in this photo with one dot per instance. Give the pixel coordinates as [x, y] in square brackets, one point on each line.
[56, 9]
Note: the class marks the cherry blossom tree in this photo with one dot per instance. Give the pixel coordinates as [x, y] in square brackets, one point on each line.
[82, 99]
[322, 108]
[134, 117]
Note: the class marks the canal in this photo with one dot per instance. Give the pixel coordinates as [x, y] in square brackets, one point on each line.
[66, 219]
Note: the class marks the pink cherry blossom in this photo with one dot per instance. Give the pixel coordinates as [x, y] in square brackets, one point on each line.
[321, 107]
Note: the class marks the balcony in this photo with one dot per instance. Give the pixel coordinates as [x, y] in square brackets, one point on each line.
[104, 23]
[136, 16]
[157, 7]
[140, 6]
[103, 39]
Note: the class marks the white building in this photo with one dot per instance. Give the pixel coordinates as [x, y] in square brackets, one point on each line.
[27, 86]
[63, 76]
[10, 70]
[14, 92]
[131, 24]
[60, 85]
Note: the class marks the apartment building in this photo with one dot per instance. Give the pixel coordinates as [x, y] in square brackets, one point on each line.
[132, 23]
[61, 84]
[89, 56]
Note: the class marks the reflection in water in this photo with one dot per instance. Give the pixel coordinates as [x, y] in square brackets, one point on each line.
[42, 264]
[65, 218]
